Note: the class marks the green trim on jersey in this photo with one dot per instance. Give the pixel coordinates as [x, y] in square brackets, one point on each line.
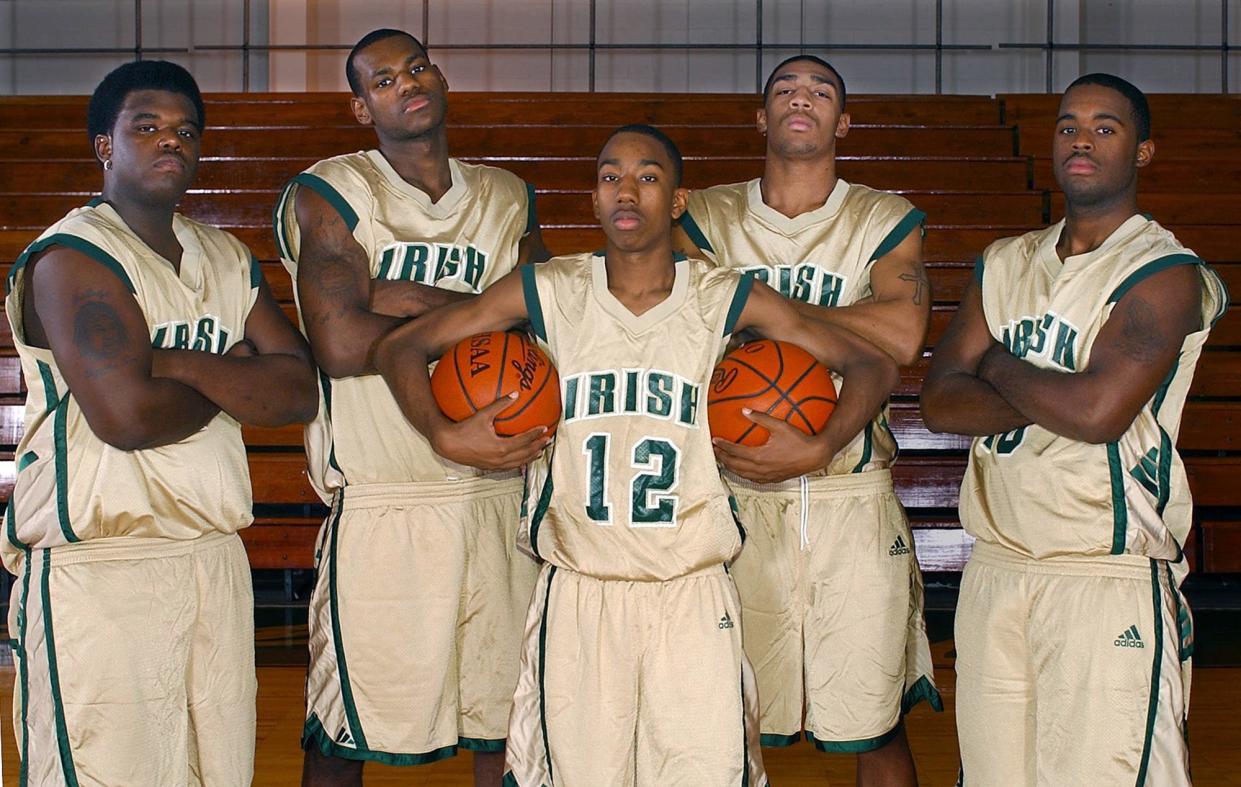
[53, 676]
[1152, 707]
[745, 285]
[868, 447]
[325, 383]
[509, 780]
[771, 741]
[342, 668]
[60, 405]
[540, 508]
[534, 309]
[695, 232]
[24, 673]
[329, 193]
[547, 599]
[1120, 512]
[745, 738]
[922, 689]
[50, 399]
[855, 747]
[62, 471]
[314, 735]
[487, 745]
[978, 269]
[77, 244]
[1165, 473]
[10, 511]
[1184, 621]
[256, 273]
[1150, 269]
[1162, 393]
[532, 214]
[913, 218]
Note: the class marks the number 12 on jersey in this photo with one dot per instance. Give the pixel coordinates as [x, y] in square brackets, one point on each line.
[651, 502]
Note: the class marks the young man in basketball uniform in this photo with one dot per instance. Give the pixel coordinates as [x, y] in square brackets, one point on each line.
[145, 338]
[1069, 361]
[632, 672]
[856, 658]
[415, 621]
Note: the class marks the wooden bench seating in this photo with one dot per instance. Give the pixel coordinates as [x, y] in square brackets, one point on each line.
[977, 166]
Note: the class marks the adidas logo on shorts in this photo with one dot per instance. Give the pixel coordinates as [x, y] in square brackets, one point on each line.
[344, 737]
[1129, 638]
[726, 622]
[899, 547]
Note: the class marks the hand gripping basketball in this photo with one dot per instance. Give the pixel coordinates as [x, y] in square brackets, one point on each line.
[487, 367]
[775, 378]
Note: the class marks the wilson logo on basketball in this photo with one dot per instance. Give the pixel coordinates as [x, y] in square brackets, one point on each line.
[489, 366]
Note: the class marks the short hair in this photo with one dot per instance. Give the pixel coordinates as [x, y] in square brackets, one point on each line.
[107, 100]
[670, 147]
[1139, 108]
[844, 94]
[355, 81]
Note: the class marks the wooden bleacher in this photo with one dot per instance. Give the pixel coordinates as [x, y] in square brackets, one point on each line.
[978, 166]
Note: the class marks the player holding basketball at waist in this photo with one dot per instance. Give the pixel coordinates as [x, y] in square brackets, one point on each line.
[855, 659]
[417, 548]
[632, 672]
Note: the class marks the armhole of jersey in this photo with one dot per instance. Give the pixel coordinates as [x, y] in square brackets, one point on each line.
[744, 286]
[333, 197]
[77, 244]
[1225, 298]
[695, 232]
[534, 309]
[278, 216]
[913, 218]
[1150, 269]
[532, 214]
[978, 270]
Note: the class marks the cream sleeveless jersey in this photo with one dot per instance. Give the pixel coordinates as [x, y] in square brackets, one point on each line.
[1044, 495]
[629, 488]
[821, 257]
[71, 486]
[464, 242]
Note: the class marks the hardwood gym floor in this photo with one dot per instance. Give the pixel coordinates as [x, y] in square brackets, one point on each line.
[1213, 721]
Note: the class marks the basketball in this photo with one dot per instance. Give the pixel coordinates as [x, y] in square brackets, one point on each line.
[776, 378]
[487, 366]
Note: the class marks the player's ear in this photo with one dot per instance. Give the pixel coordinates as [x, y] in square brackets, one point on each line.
[103, 147]
[594, 202]
[360, 111]
[842, 125]
[440, 74]
[680, 198]
[1146, 153]
[760, 120]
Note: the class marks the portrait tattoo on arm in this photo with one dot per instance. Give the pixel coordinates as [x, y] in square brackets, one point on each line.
[99, 335]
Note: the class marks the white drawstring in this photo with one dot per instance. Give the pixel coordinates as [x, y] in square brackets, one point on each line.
[805, 504]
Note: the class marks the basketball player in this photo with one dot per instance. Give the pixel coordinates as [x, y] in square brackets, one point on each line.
[145, 338]
[632, 671]
[1069, 361]
[856, 658]
[415, 620]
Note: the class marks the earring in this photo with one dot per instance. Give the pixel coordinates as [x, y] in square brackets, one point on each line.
[107, 163]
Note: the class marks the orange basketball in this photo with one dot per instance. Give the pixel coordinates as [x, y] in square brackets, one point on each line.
[776, 378]
[488, 366]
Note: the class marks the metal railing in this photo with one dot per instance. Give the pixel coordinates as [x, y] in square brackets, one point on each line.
[246, 48]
